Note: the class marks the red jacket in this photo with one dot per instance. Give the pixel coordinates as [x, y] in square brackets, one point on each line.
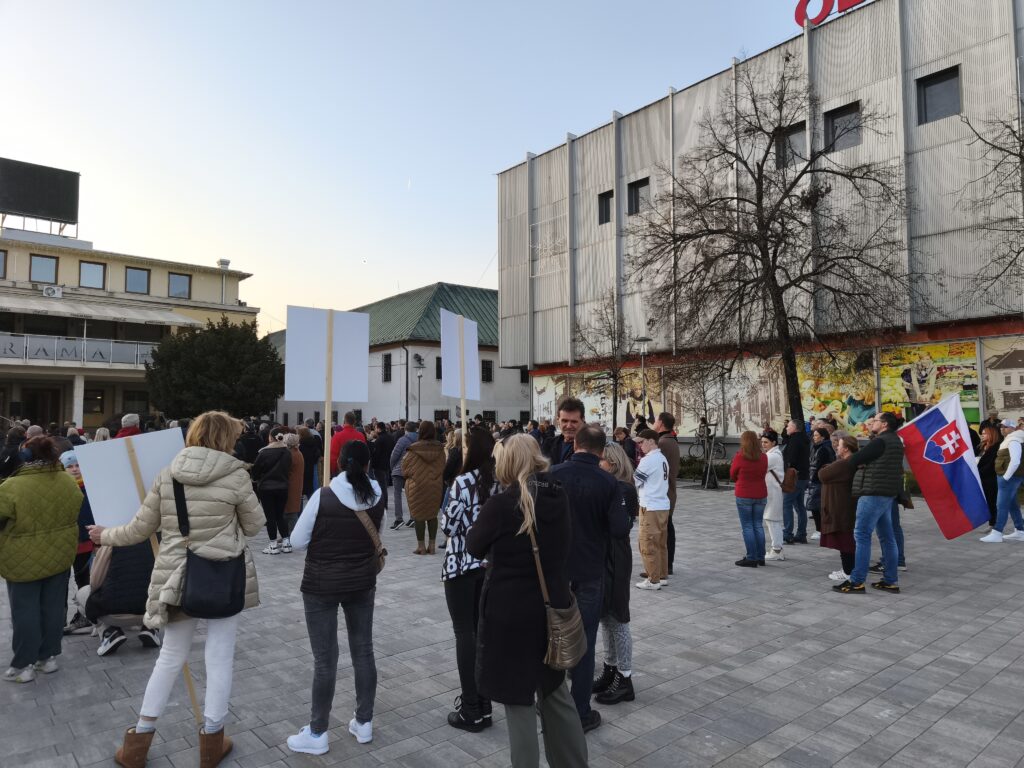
[341, 437]
[128, 432]
[749, 476]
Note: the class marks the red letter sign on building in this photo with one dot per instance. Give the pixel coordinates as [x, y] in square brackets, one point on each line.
[827, 6]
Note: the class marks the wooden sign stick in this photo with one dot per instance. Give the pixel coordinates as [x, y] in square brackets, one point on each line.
[328, 395]
[140, 487]
[462, 388]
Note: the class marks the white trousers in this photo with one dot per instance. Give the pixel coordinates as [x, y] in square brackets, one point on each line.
[220, 657]
[774, 528]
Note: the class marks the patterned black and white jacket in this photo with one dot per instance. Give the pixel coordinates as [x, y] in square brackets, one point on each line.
[465, 500]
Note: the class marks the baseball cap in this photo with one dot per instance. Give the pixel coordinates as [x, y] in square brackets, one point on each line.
[1008, 424]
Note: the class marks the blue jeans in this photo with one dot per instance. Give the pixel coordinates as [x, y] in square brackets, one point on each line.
[751, 512]
[874, 513]
[794, 502]
[897, 530]
[1007, 504]
[590, 599]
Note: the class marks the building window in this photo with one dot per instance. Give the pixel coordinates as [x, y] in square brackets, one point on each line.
[385, 367]
[284, 419]
[334, 418]
[94, 401]
[92, 275]
[524, 375]
[638, 197]
[938, 96]
[136, 280]
[604, 206]
[179, 286]
[442, 415]
[299, 419]
[3, 265]
[1007, 380]
[437, 367]
[43, 269]
[1021, 380]
[790, 146]
[489, 417]
[316, 417]
[524, 417]
[136, 401]
[842, 127]
[486, 371]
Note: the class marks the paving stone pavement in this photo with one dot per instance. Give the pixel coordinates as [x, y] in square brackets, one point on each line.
[734, 667]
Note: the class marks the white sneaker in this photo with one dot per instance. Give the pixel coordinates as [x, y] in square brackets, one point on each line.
[305, 742]
[272, 549]
[1015, 536]
[816, 536]
[47, 666]
[648, 584]
[839, 576]
[15, 675]
[362, 731]
[774, 554]
[113, 638]
[993, 538]
[286, 546]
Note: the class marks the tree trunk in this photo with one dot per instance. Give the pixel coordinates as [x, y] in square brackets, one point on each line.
[789, 369]
[615, 401]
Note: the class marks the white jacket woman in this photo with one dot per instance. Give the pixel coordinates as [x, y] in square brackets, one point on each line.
[773, 508]
[222, 511]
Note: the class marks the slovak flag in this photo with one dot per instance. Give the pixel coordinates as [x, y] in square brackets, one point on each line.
[941, 456]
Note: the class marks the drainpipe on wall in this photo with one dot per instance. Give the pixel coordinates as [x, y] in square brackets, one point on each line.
[406, 382]
[224, 264]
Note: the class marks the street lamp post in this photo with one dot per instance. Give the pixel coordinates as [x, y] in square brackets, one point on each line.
[643, 341]
[419, 400]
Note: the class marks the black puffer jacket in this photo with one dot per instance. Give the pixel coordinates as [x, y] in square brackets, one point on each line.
[341, 557]
[822, 456]
[271, 468]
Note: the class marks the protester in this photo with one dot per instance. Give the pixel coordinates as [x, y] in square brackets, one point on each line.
[878, 487]
[616, 681]
[453, 464]
[598, 516]
[130, 426]
[293, 503]
[773, 504]
[312, 457]
[838, 507]
[271, 472]
[748, 470]
[1009, 469]
[822, 454]
[342, 436]
[652, 484]
[102, 434]
[380, 449]
[80, 568]
[621, 436]
[463, 574]
[74, 437]
[341, 570]
[990, 440]
[422, 470]
[397, 475]
[513, 622]
[571, 414]
[39, 508]
[222, 511]
[115, 599]
[796, 452]
[10, 457]
[665, 425]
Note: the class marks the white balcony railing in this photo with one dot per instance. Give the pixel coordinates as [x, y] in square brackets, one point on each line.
[57, 349]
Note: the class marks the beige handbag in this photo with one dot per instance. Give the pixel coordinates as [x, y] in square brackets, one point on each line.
[567, 640]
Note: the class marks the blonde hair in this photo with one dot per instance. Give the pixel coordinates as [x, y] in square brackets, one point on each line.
[454, 439]
[518, 460]
[101, 434]
[214, 429]
[622, 467]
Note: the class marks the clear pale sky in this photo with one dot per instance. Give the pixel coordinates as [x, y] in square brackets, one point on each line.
[338, 151]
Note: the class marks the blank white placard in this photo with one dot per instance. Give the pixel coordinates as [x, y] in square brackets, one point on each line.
[305, 363]
[450, 356]
[107, 472]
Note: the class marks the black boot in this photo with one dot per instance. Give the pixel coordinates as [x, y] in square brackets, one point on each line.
[601, 683]
[466, 717]
[621, 689]
[485, 712]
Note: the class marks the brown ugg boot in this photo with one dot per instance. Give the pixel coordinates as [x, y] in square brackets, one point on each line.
[421, 548]
[431, 547]
[132, 753]
[213, 747]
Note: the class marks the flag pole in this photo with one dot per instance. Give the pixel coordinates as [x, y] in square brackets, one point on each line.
[462, 387]
[328, 394]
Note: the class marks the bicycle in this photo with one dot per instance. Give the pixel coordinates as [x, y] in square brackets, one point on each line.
[706, 445]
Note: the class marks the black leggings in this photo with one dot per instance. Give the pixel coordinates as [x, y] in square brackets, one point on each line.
[463, 597]
[273, 507]
[847, 558]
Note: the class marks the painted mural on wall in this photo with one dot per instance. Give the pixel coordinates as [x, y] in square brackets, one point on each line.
[1004, 376]
[755, 397]
[595, 390]
[841, 385]
[918, 376]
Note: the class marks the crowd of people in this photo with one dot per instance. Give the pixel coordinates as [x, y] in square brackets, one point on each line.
[531, 516]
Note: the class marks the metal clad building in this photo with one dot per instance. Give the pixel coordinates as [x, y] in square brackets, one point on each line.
[558, 261]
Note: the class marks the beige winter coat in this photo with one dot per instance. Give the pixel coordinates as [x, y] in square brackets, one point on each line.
[222, 511]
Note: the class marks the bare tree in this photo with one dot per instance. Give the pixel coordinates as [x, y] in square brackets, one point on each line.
[607, 341]
[764, 240]
[996, 198]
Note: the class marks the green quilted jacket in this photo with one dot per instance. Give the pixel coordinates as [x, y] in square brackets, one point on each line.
[39, 517]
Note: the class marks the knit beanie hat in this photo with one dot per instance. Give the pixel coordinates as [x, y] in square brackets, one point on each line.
[68, 458]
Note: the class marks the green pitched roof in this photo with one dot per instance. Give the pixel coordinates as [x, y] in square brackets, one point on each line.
[416, 315]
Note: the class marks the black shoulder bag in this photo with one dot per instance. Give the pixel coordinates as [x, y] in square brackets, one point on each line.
[211, 589]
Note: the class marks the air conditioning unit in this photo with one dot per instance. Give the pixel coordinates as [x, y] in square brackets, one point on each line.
[53, 292]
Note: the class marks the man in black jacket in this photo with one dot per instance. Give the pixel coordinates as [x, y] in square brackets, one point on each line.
[570, 418]
[598, 515]
[796, 453]
[381, 448]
